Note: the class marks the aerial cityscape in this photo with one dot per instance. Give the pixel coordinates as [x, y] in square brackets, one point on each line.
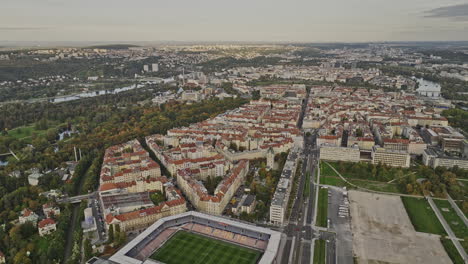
[190, 139]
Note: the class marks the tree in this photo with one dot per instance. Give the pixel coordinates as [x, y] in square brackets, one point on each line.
[88, 249]
[409, 188]
[122, 238]
[21, 258]
[42, 124]
[111, 234]
[244, 216]
[465, 206]
[359, 132]
[27, 229]
[157, 197]
[255, 95]
[233, 146]
[374, 171]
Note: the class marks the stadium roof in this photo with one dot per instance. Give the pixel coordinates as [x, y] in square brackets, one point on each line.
[269, 255]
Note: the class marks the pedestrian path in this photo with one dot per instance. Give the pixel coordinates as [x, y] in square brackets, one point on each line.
[447, 228]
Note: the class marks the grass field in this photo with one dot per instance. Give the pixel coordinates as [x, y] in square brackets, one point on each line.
[451, 251]
[333, 180]
[319, 251]
[325, 170]
[464, 244]
[422, 217]
[24, 132]
[376, 186]
[189, 248]
[322, 210]
[329, 177]
[454, 221]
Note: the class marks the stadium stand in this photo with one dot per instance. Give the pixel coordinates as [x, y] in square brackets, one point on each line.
[142, 247]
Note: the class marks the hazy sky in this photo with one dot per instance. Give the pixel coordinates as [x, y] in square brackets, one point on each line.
[233, 20]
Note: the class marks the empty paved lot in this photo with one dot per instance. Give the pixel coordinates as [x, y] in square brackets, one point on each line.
[383, 233]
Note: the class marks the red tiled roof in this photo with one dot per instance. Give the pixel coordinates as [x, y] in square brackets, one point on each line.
[46, 222]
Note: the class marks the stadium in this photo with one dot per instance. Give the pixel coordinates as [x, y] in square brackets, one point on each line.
[194, 237]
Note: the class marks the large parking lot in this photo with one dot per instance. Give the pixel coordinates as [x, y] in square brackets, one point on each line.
[383, 232]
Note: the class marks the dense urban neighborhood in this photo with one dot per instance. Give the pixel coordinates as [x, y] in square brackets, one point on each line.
[256, 153]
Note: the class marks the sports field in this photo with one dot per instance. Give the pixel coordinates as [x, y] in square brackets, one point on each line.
[189, 248]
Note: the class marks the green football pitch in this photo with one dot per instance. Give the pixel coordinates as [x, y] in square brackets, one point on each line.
[188, 248]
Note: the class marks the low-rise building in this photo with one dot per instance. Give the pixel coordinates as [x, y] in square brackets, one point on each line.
[245, 205]
[140, 219]
[47, 226]
[89, 224]
[33, 178]
[50, 210]
[28, 216]
[122, 202]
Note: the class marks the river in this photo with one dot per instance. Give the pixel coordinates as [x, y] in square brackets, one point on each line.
[93, 94]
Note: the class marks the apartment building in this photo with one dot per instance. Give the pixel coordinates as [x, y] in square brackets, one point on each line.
[199, 196]
[435, 158]
[128, 166]
[280, 199]
[334, 153]
[394, 158]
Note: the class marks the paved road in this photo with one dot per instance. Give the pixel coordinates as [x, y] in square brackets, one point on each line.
[448, 229]
[302, 212]
[298, 247]
[330, 246]
[99, 218]
[340, 225]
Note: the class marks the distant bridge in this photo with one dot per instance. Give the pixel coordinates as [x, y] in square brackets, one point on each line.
[77, 199]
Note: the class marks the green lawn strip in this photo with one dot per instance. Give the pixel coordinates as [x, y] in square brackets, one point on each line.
[464, 244]
[456, 224]
[331, 180]
[307, 185]
[422, 217]
[185, 247]
[322, 210]
[23, 132]
[451, 251]
[319, 251]
[326, 170]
